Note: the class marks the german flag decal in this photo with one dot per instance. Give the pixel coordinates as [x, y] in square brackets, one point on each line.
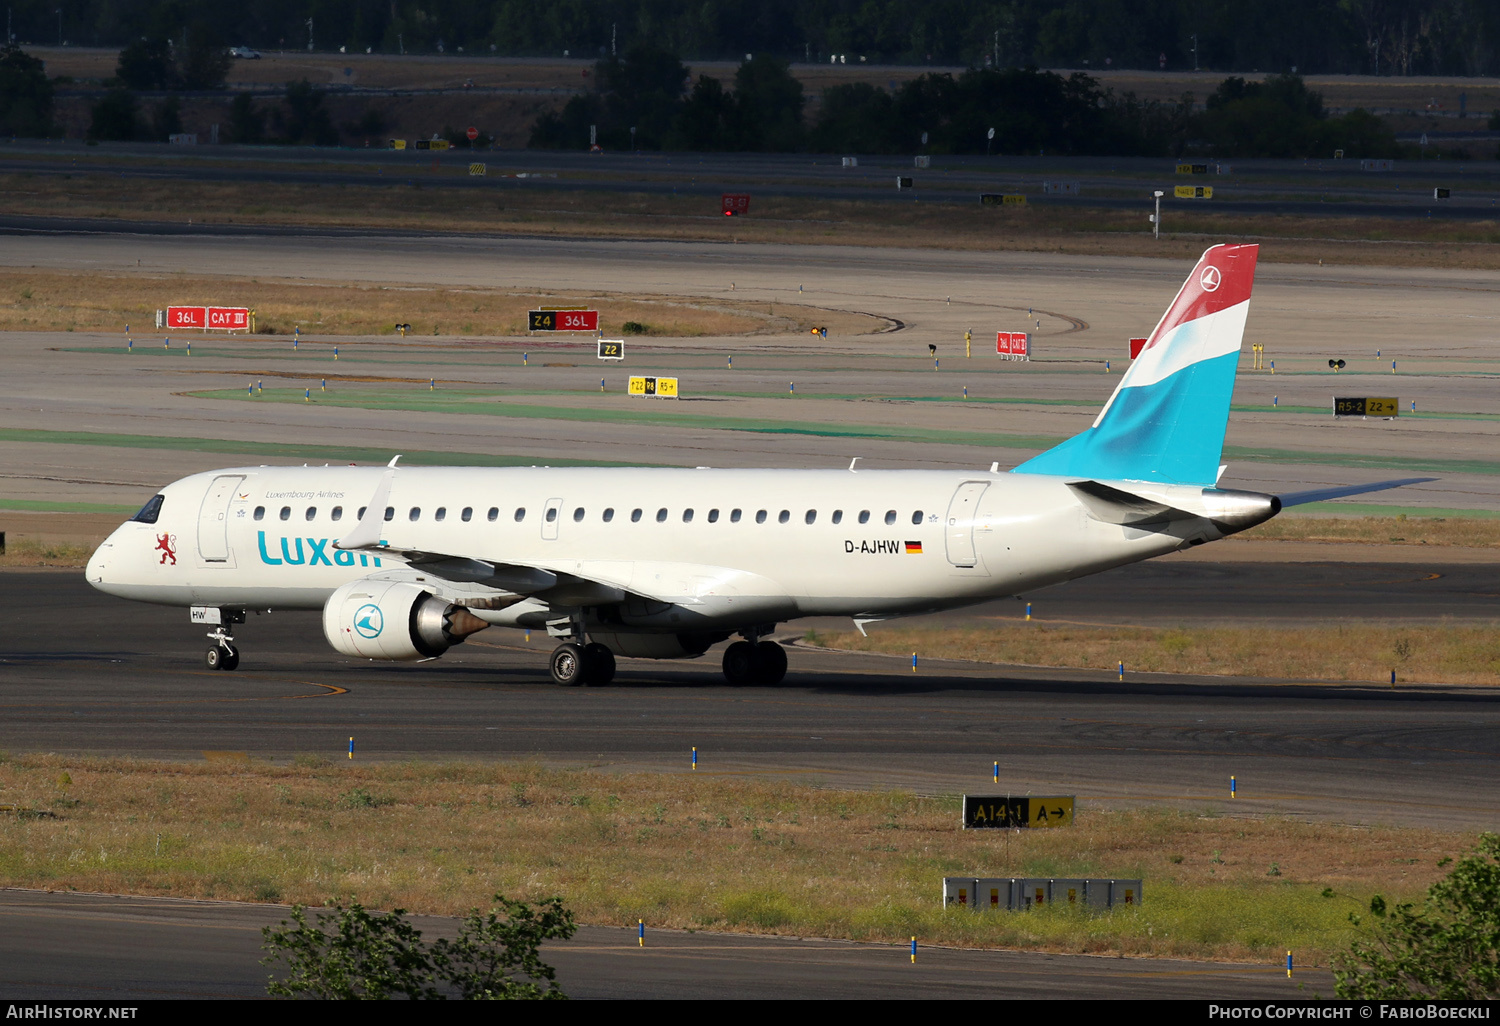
[913, 548]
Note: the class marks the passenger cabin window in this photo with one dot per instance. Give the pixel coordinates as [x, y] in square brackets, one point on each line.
[784, 516]
[415, 514]
[337, 513]
[286, 513]
[467, 514]
[493, 514]
[609, 514]
[520, 514]
[578, 515]
[838, 516]
[916, 517]
[312, 513]
[362, 512]
[713, 516]
[152, 509]
[260, 514]
[661, 516]
[812, 516]
[890, 517]
[760, 516]
[441, 513]
[551, 515]
[635, 516]
[687, 516]
[734, 516]
[390, 512]
[864, 516]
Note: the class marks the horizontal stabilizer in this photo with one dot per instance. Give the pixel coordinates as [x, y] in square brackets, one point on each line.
[1321, 494]
[1115, 506]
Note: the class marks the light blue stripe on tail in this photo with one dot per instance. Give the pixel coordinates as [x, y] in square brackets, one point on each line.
[1170, 431]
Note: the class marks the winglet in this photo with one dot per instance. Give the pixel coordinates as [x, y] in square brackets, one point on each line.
[394, 458]
[366, 533]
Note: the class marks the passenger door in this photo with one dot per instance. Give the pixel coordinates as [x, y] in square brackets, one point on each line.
[958, 525]
[213, 519]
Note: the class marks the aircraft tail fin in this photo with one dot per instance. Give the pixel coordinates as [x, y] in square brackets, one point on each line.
[1166, 420]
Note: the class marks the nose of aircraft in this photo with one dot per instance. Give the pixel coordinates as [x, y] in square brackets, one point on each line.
[101, 562]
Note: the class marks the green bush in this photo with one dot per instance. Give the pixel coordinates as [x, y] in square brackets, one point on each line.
[1449, 947]
[353, 953]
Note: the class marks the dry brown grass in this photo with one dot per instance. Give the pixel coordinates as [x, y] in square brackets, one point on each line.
[624, 214]
[33, 300]
[1464, 532]
[1359, 652]
[689, 851]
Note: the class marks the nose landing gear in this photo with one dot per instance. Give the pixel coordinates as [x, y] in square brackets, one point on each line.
[222, 655]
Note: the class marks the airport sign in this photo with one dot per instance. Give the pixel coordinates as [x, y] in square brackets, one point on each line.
[562, 320]
[1005, 811]
[662, 388]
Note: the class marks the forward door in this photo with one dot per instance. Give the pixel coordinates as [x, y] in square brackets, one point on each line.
[213, 519]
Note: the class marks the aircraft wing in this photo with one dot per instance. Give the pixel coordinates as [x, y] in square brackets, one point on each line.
[1321, 494]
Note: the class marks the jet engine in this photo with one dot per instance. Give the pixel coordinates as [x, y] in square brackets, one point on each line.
[394, 620]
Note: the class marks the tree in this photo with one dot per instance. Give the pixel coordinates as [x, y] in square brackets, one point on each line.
[25, 94]
[354, 954]
[205, 62]
[1447, 948]
[492, 951]
[770, 106]
[115, 117]
[305, 120]
[168, 120]
[365, 956]
[708, 120]
[247, 125]
[146, 64]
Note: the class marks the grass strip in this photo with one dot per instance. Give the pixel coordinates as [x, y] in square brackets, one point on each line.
[691, 851]
[290, 450]
[657, 414]
[48, 506]
[1357, 652]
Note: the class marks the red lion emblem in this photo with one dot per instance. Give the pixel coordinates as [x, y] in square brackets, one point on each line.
[165, 544]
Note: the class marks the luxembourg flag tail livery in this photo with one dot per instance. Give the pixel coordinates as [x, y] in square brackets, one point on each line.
[1165, 422]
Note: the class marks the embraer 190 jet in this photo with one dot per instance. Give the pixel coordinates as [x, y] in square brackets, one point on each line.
[406, 562]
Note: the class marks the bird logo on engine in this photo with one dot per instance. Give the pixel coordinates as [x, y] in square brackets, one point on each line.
[369, 621]
[166, 544]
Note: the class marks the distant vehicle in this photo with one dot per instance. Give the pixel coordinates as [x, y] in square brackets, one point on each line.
[244, 52]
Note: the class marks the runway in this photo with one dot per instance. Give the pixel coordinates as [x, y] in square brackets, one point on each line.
[83, 947]
[87, 674]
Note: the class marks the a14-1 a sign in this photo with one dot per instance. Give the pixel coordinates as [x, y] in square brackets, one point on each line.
[562, 320]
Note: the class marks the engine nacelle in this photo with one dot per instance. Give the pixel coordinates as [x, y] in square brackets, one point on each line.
[394, 620]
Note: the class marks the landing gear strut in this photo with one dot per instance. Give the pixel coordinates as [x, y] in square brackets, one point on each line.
[574, 664]
[757, 662]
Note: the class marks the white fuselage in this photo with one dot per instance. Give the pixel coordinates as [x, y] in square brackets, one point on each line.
[711, 549]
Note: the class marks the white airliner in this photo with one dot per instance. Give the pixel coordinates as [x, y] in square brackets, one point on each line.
[406, 562]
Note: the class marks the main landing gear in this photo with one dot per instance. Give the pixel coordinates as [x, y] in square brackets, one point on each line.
[574, 664]
[754, 662]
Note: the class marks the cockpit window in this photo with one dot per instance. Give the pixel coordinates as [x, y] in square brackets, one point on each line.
[150, 511]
